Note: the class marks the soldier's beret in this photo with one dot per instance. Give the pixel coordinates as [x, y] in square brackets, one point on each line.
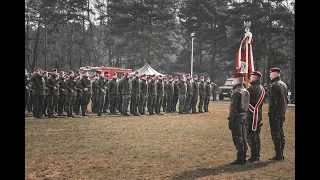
[54, 70]
[70, 72]
[275, 70]
[98, 72]
[170, 77]
[256, 73]
[201, 77]
[207, 78]
[160, 76]
[136, 72]
[144, 75]
[153, 75]
[188, 75]
[106, 74]
[195, 76]
[237, 74]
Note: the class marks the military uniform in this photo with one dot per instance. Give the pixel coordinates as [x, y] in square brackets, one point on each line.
[207, 97]
[101, 89]
[182, 86]
[169, 90]
[214, 91]
[119, 95]
[126, 95]
[189, 95]
[113, 95]
[53, 90]
[160, 95]
[38, 84]
[256, 101]
[152, 96]
[135, 95]
[194, 101]
[70, 95]
[202, 93]
[26, 91]
[62, 95]
[238, 119]
[175, 94]
[143, 95]
[276, 111]
[45, 94]
[107, 96]
[86, 93]
[77, 103]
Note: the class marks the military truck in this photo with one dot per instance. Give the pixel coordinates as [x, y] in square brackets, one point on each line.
[226, 89]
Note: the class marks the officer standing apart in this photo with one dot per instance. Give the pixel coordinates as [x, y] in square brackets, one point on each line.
[238, 118]
[254, 115]
[276, 111]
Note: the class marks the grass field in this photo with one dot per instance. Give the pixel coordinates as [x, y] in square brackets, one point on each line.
[172, 146]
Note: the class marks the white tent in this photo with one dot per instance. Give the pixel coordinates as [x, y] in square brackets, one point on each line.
[148, 70]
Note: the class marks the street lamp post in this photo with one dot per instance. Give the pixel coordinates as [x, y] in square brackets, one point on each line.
[192, 35]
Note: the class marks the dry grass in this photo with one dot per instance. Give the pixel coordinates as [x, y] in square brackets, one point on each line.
[196, 146]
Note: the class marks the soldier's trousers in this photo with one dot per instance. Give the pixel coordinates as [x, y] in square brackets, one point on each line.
[113, 103]
[277, 134]
[175, 102]
[206, 103]
[182, 100]
[84, 103]
[214, 96]
[77, 103]
[61, 103]
[100, 103]
[188, 103]
[143, 98]
[119, 104]
[70, 100]
[38, 101]
[45, 104]
[106, 102]
[239, 137]
[253, 138]
[169, 103]
[148, 103]
[194, 102]
[201, 102]
[135, 103]
[152, 106]
[94, 102]
[30, 103]
[164, 103]
[159, 102]
[26, 100]
[51, 101]
[126, 101]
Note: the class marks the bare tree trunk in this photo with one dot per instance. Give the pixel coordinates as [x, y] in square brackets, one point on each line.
[35, 50]
[269, 40]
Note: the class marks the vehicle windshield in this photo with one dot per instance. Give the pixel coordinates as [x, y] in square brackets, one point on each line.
[229, 83]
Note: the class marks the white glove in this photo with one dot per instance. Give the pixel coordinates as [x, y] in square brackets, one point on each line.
[62, 90]
[72, 91]
[54, 87]
[27, 88]
[85, 89]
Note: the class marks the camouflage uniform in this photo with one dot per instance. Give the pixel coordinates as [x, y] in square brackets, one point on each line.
[207, 97]
[214, 91]
[52, 98]
[106, 97]
[101, 89]
[143, 96]
[45, 96]
[253, 137]
[276, 111]
[62, 95]
[38, 84]
[164, 102]
[175, 96]
[126, 95]
[135, 95]
[189, 96]
[169, 87]
[26, 91]
[160, 95]
[238, 120]
[152, 96]
[86, 93]
[194, 101]
[182, 86]
[202, 93]
[119, 96]
[70, 95]
[113, 94]
[94, 98]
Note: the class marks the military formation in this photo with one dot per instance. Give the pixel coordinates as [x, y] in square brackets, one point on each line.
[56, 93]
[245, 115]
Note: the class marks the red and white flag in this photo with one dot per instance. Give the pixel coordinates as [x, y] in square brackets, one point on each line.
[244, 56]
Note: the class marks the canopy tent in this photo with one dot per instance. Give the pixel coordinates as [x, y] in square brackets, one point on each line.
[148, 70]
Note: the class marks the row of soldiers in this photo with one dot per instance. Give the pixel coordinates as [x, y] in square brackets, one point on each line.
[47, 94]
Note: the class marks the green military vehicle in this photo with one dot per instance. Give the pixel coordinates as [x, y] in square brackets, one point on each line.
[226, 89]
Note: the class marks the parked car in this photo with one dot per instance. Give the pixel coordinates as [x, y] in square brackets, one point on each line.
[226, 89]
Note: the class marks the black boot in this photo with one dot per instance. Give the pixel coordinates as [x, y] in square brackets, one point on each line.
[240, 159]
[279, 155]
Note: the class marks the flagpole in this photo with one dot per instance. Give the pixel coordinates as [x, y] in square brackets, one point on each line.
[192, 35]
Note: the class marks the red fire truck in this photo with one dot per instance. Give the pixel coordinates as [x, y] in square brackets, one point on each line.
[110, 70]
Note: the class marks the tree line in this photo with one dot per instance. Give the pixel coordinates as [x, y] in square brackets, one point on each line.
[68, 34]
